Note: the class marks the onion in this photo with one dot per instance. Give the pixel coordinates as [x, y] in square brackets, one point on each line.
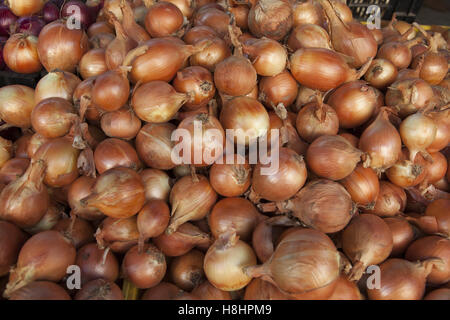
[226, 260]
[7, 19]
[79, 232]
[402, 233]
[157, 101]
[198, 33]
[418, 132]
[152, 220]
[6, 151]
[113, 153]
[382, 143]
[354, 102]
[160, 59]
[31, 25]
[437, 169]
[40, 290]
[146, 269]
[409, 96]
[198, 82]
[259, 289]
[367, 240]
[323, 69]
[118, 193]
[206, 291]
[111, 90]
[53, 117]
[55, 43]
[350, 38]
[13, 169]
[56, 84]
[354, 141]
[100, 27]
[294, 265]
[432, 247]
[186, 6]
[117, 50]
[436, 219]
[96, 263]
[154, 145]
[182, 241]
[45, 256]
[99, 289]
[268, 56]
[381, 73]
[402, 280]
[442, 123]
[309, 36]
[270, 18]
[25, 7]
[209, 130]
[438, 294]
[20, 146]
[211, 56]
[213, 17]
[122, 123]
[61, 161]
[363, 186]
[162, 291]
[332, 157]
[281, 88]
[406, 173]
[246, 115]
[186, 271]
[307, 12]
[391, 200]
[93, 63]
[157, 184]
[280, 184]
[230, 180]
[316, 119]
[240, 13]
[117, 234]
[11, 240]
[25, 201]
[377, 35]
[183, 208]
[83, 16]
[16, 105]
[131, 27]
[163, 19]
[20, 53]
[236, 214]
[78, 190]
[345, 290]
[50, 12]
[399, 53]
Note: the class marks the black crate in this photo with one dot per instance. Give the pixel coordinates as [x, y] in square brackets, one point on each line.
[30, 80]
[406, 10]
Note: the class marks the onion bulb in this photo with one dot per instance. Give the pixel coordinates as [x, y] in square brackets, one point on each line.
[381, 73]
[281, 88]
[186, 271]
[406, 173]
[402, 234]
[270, 18]
[122, 123]
[157, 184]
[152, 220]
[20, 53]
[16, 104]
[12, 239]
[391, 200]
[268, 56]
[309, 36]
[418, 132]
[230, 180]
[363, 186]
[56, 84]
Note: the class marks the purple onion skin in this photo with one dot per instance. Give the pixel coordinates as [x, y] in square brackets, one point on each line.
[2, 62]
[50, 12]
[7, 20]
[86, 19]
[30, 25]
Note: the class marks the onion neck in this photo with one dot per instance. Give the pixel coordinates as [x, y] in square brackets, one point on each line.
[426, 266]
[35, 173]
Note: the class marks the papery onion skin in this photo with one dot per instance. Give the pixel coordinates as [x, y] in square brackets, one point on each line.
[332, 157]
[157, 184]
[163, 19]
[438, 294]
[381, 73]
[206, 291]
[259, 289]
[11, 240]
[58, 84]
[402, 233]
[21, 145]
[95, 263]
[406, 173]
[367, 240]
[154, 145]
[186, 271]
[198, 80]
[40, 290]
[162, 291]
[226, 260]
[272, 19]
[346, 290]
[113, 152]
[13, 169]
[16, 104]
[211, 56]
[118, 234]
[20, 53]
[281, 88]
[213, 17]
[6, 150]
[391, 200]
[268, 56]
[122, 123]
[235, 76]
[67, 46]
[144, 270]
[418, 132]
[111, 90]
[439, 209]
[363, 185]
[441, 119]
[230, 180]
[92, 63]
[79, 232]
[79, 189]
[99, 289]
[307, 12]
[309, 36]
[432, 247]
[437, 169]
[152, 220]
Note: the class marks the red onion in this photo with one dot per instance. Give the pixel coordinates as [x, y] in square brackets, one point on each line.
[7, 19]
[84, 15]
[50, 12]
[30, 25]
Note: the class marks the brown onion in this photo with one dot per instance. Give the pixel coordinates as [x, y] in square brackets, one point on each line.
[111, 90]
[157, 101]
[307, 12]
[355, 102]
[101, 40]
[332, 157]
[117, 50]
[146, 269]
[268, 56]
[11, 240]
[230, 179]
[12, 169]
[432, 247]
[402, 280]
[6, 151]
[367, 240]
[259, 289]
[92, 63]
[20, 146]
[99, 289]
[182, 241]
[213, 17]
[381, 73]
[112, 153]
[96, 263]
[199, 82]
[363, 186]
[206, 291]
[118, 193]
[186, 6]
[183, 208]
[117, 234]
[157, 184]
[408, 96]
[122, 123]
[154, 145]
[162, 291]
[212, 55]
[437, 169]
[402, 233]
[240, 13]
[16, 105]
[270, 18]
[309, 36]
[60, 47]
[49, 220]
[397, 52]
[58, 84]
[40, 290]
[25, 8]
[294, 265]
[345, 290]
[281, 88]
[354, 141]
[391, 200]
[323, 69]
[79, 232]
[20, 53]
[131, 27]
[441, 120]
[406, 173]
[163, 19]
[45, 256]
[78, 190]
[226, 260]
[186, 271]
[25, 200]
[381, 141]
[152, 220]
[418, 132]
[438, 294]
